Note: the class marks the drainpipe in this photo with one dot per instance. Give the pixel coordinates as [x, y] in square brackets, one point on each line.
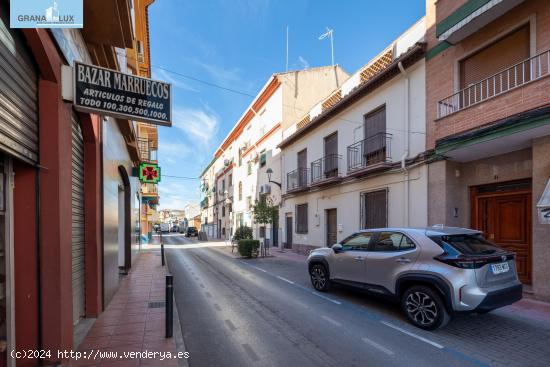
[407, 144]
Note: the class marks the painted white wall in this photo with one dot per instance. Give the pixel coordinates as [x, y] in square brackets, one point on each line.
[345, 197]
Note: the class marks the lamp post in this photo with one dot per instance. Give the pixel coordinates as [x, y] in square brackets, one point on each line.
[269, 173]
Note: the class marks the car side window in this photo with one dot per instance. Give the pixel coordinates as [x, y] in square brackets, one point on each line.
[392, 241]
[357, 242]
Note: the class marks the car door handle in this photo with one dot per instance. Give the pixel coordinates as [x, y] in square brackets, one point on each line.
[359, 258]
[403, 260]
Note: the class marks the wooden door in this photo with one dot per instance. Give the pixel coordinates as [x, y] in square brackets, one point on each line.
[505, 219]
[331, 227]
[288, 243]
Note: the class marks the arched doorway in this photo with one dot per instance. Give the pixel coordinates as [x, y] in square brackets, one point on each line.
[124, 220]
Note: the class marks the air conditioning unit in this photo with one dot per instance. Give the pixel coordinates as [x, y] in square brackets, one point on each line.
[265, 190]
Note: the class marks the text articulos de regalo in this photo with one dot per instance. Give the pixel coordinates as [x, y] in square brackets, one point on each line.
[122, 95]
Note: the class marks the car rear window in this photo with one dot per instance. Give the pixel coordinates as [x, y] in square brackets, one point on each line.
[467, 244]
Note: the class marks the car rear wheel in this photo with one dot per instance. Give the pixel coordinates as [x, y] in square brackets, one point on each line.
[424, 308]
[319, 277]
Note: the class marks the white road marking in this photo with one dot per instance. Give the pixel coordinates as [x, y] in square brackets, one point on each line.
[332, 321]
[413, 335]
[260, 269]
[377, 346]
[285, 280]
[326, 298]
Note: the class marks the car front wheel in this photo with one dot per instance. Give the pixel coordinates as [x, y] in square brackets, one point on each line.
[319, 278]
[424, 308]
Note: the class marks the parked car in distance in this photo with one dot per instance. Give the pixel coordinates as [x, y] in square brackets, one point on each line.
[192, 232]
[433, 272]
[175, 229]
[164, 227]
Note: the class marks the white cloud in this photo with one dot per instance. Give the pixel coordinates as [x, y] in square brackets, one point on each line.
[176, 82]
[304, 64]
[201, 125]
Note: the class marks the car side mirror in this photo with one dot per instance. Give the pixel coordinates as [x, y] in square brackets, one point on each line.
[337, 247]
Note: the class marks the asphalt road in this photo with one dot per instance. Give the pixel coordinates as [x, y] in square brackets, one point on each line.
[263, 312]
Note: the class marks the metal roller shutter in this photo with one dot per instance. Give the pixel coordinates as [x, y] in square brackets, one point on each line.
[18, 95]
[77, 173]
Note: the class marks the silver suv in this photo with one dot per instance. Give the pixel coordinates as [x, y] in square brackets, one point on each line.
[433, 272]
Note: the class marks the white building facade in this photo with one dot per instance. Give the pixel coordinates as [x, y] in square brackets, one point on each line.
[239, 169]
[357, 159]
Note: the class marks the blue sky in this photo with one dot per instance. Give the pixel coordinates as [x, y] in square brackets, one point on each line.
[239, 44]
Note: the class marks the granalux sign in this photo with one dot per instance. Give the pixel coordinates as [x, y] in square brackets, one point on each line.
[109, 92]
[46, 14]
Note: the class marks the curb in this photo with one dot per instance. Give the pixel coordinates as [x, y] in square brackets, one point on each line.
[178, 334]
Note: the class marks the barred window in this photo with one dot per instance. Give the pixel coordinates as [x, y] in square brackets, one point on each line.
[301, 218]
[374, 209]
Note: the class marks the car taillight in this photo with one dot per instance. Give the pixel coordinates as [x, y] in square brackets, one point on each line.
[472, 262]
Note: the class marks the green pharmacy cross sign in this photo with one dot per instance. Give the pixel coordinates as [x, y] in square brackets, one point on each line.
[149, 173]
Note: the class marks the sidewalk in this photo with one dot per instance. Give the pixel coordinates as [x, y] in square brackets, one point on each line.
[130, 324]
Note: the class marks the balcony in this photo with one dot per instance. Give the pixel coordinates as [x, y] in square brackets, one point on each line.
[297, 180]
[149, 189]
[370, 155]
[516, 76]
[147, 150]
[204, 203]
[326, 170]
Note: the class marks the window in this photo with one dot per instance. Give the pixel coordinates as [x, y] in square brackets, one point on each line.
[301, 218]
[230, 180]
[230, 207]
[248, 202]
[468, 244]
[223, 211]
[240, 190]
[358, 242]
[240, 157]
[374, 145]
[392, 241]
[374, 209]
[509, 50]
[223, 186]
[262, 232]
[263, 158]
[249, 168]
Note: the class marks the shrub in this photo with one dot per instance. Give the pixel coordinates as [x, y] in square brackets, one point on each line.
[243, 233]
[249, 248]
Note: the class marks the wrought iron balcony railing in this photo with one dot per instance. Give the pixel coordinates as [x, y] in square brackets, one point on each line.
[147, 151]
[297, 179]
[527, 71]
[370, 151]
[326, 168]
[149, 189]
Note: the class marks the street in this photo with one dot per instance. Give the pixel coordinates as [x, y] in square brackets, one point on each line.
[263, 312]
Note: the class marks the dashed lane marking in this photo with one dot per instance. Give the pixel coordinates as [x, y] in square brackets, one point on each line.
[331, 320]
[412, 334]
[377, 346]
[285, 280]
[251, 352]
[230, 325]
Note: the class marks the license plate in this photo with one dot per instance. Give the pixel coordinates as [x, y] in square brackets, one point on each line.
[500, 268]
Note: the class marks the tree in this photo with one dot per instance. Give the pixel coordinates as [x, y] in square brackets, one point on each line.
[264, 210]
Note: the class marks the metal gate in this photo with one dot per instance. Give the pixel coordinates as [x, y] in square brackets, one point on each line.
[18, 95]
[77, 174]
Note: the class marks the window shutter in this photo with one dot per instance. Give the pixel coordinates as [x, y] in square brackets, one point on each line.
[375, 207]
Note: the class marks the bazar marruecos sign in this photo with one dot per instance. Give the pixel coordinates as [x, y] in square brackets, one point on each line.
[112, 93]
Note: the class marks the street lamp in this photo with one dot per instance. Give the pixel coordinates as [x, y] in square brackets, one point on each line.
[269, 173]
